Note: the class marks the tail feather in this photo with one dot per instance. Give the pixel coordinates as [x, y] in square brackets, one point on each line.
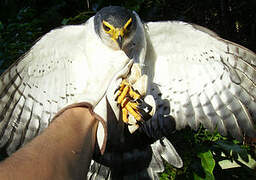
[165, 149]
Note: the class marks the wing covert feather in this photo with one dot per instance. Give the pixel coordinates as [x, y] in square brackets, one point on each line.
[205, 78]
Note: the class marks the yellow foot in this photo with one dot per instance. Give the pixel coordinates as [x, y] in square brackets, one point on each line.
[126, 90]
[127, 97]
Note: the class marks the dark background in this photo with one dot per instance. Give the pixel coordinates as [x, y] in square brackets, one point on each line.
[26, 20]
[23, 22]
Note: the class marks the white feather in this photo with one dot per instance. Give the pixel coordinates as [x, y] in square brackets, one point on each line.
[209, 79]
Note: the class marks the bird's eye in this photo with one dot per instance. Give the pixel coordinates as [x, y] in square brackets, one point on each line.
[105, 27]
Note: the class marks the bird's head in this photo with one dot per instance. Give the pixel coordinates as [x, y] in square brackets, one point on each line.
[116, 26]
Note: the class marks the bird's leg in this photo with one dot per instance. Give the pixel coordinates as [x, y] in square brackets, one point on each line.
[130, 102]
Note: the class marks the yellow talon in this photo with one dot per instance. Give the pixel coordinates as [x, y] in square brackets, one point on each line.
[132, 111]
[133, 105]
[133, 94]
[123, 94]
[123, 90]
[125, 115]
[126, 105]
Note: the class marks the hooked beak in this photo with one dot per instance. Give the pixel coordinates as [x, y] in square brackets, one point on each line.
[120, 41]
[118, 37]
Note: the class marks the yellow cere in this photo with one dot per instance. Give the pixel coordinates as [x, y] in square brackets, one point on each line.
[115, 32]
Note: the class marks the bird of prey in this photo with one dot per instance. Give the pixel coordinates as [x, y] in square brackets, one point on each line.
[194, 76]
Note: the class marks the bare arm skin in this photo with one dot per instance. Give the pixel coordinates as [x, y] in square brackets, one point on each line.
[63, 151]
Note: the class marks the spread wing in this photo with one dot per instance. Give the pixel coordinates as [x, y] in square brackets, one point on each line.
[60, 67]
[198, 77]
[34, 88]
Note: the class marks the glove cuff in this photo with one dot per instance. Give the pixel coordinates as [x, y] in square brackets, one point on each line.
[101, 141]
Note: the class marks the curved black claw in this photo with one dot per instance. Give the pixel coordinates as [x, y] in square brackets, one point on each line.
[144, 109]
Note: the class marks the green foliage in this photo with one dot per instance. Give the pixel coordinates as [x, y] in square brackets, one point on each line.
[17, 36]
[208, 164]
[231, 150]
[78, 19]
[131, 4]
[202, 151]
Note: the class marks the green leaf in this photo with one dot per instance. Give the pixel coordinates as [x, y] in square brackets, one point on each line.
[208, 164]
[208, 176]
[65, 21]
[207, 161]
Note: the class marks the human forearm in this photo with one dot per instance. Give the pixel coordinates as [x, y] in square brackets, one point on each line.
[62, 151]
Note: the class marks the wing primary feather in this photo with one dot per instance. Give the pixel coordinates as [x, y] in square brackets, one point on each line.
[7, 94]
[187, 110]
[248, 85]
[32, 128]
[243, 106]
[199, 113]
[25, 118]
[14, 91]
[15, 140]
[243, 53]
[205, 98]
[7, 109]
[10, 119]
[227, 118]
[176, 105]
[209, 111]
[7, 79]
[234, 105]
[186, 107]
[7, 124]
[245, 68]
[244, 97]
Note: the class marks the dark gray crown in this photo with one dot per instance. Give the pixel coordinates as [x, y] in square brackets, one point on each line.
[115, 15]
